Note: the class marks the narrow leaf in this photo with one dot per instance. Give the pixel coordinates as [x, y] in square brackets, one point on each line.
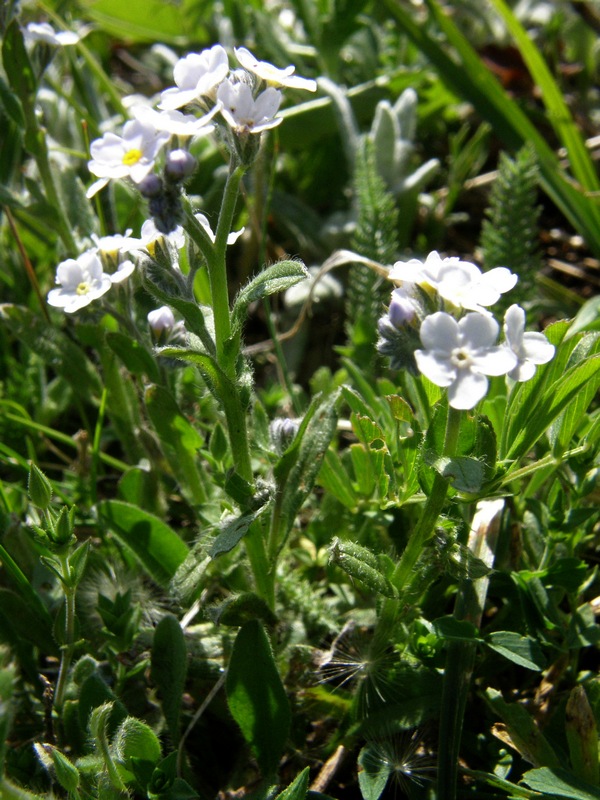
[256, 697]
[169, 670]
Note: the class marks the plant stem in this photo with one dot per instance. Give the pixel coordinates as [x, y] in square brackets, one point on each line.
[405, 567]
[460, 656]
[68, 647]
[217, 271]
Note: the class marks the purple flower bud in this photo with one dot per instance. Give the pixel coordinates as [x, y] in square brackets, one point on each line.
[402, 309]
[180, 165]
[151, 186]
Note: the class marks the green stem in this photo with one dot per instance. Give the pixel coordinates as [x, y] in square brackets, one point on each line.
[262, 571]
[68, 647]
[460, 656]
[217, 270]
[405, 567]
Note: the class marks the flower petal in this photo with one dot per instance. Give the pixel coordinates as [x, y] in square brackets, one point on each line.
[467, 390]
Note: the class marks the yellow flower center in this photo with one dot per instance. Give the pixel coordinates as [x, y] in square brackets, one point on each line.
[83, 288]
[132, 157]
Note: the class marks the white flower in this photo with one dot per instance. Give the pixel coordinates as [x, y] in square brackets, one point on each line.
[131, 155]
[530, 348]
[458, 282]
[272, 75]
[43, 32]
[196, 75]
[175, 122]
[459, 355]
[161, 319]
[231, 238]
[115, 244]
[246, 114]
[81, 280]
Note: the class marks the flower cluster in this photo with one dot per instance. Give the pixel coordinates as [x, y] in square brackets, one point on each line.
[439, 324]
[207, 91]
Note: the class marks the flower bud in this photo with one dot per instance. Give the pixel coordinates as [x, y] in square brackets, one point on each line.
[282, 432]
[150, 186]
[402, 310]
[39, 488]
[180, 164]
[161, 320]
[62, 533]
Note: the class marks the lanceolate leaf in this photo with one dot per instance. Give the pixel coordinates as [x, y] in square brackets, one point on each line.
[156, 545]
[275, 278]
[256, 697]
[169, 669]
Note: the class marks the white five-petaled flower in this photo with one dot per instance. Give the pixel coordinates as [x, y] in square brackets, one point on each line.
[272, 75]
[196, 75]
[458, 282]
[44, 32]
[531, 348]
[81, 281]
[129, 156]
[150, 235]
[459, 354]
[243, 112]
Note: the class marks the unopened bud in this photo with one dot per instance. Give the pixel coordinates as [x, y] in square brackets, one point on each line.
[402, 308]
[282, 433]
[161, 320]
[180, 164]
[150, 186]
[39, 488]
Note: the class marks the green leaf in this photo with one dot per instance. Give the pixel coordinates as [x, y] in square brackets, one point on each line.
[586, 319]
[231, 532]
[521, 650]
[335, 479]
[55, 348]
[374, 772]
[256, 697]
[11, 105]
[527, 738]
[297, 469]
[275, 278]
[557, 782]
[19, 619]
[361, 564]
[573, 374]
[134, 355]
[582, 736]
[156, 545]
[18, 66]
[298, 787]
[180, 442]
[456, 630]
[143, 20]
[169, 670]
